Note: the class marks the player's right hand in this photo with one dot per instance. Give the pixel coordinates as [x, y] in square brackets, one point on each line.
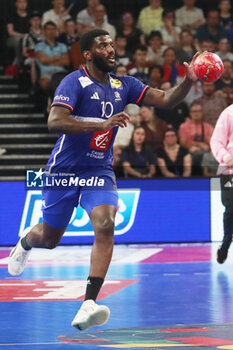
[119, 119]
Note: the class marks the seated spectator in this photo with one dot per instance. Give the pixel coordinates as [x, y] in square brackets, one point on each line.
[69, 37]
[189, 17]
[173, 71]
[139, 68]
[150, 17]
[212, 104]
[155, 48]
[173, 159]
[225, 14]
[124, 135]
[117, 166]
[75, 53]
[195, 134]
[100, 23]
[194, 93]
[86, 16]
[29, 42]
[155, 76]
[209, 165]
[58, 15]
[224, 50]
[153, 126]
[186, 49]
[212, 30]
[121, 55]
[170, 32]
[52, 56]
[226, 79]
[121, 70]
[206, 45]
[17, 26]
[133, 35]
[176, 115]
[137, 160]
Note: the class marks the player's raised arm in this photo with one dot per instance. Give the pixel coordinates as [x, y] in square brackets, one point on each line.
[170, 98]
[60, 121]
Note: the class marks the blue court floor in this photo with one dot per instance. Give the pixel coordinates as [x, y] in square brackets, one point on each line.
[160, 296]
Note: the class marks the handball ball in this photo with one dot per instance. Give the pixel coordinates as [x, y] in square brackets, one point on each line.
[208, 67]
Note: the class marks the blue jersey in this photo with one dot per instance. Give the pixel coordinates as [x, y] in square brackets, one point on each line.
[89, 100]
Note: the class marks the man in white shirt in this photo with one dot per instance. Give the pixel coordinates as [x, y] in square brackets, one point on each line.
[189, 17]
[58, 15]
[100, 23]
[87, 15]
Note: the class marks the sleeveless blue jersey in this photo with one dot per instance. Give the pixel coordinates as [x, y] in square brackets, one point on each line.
[88, 100]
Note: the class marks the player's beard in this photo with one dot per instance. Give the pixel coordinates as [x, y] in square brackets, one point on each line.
[102, 65]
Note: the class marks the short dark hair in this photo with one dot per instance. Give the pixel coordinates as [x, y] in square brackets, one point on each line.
[87, 40]
[156, 66]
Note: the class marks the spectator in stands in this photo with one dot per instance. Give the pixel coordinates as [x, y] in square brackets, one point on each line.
[100, 23]
[58, 15]
[225, 14]
[186, 49]
[121, 55]
[124, 135]
[121, 70]
[194, 94]
[206, 45]
[128, 29]
[212, 29]
[70, 36]
[170, 32]
[226, 79]
[195, 134]
[173, 71]
[17, 26]
[29, 42]
[189, 17]
[150, 17]
[140, 68]
[155, 76]
[212, 104]
[75, 54]
[137, 159]
[173, 159]
[153, 126]
[224, 49]
[176, 115]
[87, 16]
[155, 48]
[52, 56]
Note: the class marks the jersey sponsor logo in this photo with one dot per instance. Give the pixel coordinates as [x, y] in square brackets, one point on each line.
[116, 83]
[61, 98]
[95, 96]
[101, 140]
[85, 81]
[80, 224]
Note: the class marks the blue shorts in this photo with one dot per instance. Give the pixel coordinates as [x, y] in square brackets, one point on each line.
[59, 203]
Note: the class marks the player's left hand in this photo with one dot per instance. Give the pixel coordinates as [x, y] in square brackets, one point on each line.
[190, 74]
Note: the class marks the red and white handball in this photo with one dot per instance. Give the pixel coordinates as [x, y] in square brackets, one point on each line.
[208, 67]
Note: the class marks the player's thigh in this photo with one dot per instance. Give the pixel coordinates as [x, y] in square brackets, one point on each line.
[58, 207]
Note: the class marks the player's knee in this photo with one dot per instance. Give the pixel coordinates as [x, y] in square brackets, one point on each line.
[105, 227]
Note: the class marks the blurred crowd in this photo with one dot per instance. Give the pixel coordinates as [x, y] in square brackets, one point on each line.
[152, 48]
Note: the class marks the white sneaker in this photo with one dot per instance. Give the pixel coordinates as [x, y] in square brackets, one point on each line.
[18, 257]
[90, 314]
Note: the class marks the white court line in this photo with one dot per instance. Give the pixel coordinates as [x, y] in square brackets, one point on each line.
[138, 256]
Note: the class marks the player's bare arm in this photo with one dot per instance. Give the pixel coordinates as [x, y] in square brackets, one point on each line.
[60, 121]
[169, 99]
